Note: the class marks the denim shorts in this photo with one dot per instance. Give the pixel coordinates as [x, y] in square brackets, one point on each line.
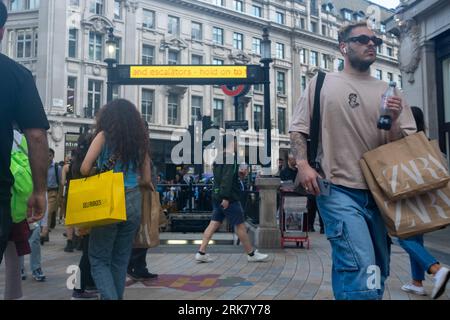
[233, 213]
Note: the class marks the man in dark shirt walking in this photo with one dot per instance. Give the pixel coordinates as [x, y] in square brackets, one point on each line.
[20, 105]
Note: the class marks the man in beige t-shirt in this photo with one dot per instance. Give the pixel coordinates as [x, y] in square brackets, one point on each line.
[350, 108]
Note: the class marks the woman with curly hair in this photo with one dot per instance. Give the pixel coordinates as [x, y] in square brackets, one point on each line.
[120, 140]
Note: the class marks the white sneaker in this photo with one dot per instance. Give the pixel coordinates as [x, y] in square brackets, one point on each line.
[410, 288]
[203, 257]
[257, 257]
[440, 281]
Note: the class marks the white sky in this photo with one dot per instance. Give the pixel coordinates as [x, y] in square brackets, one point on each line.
[387, 3]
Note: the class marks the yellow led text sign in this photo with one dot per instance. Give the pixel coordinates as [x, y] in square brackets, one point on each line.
[193, 72]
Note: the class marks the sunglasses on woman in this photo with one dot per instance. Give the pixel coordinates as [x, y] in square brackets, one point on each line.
[363, 39]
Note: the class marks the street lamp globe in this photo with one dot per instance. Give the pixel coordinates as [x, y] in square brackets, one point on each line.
[266, 47]
[111, 47]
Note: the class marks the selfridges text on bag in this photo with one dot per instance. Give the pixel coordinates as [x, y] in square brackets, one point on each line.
[407, 167]
[96, 200]
[407, 217]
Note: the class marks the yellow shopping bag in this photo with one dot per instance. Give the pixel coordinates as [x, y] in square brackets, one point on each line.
[96, 200]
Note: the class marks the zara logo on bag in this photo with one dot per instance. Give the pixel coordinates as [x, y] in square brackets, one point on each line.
[414, 170]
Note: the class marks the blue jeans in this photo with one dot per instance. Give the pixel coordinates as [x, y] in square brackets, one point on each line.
[359, 242]
[35, 255]
[110, 249]
[421, 259]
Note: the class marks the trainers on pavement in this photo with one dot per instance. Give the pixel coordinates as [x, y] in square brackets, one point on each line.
[410, 288]
[257, 257]
[84, 295]
[140, 276]
[440, 281]
[203, 257]
[38, 275]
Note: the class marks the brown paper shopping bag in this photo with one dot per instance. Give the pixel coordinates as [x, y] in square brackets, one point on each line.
[407, 167]
[418, 214]
[148, 232]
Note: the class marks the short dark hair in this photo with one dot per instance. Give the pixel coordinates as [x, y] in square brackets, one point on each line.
[347, 29]
[3, 14]
[51, 151]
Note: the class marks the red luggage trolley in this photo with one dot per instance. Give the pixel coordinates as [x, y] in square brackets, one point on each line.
[293, 217]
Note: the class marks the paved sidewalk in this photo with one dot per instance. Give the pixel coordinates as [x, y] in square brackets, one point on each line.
[290, 273]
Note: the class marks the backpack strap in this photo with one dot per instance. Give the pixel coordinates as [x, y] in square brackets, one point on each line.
[313, 139]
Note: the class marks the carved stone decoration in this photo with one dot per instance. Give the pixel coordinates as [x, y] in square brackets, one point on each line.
[409, 51]
[98, 24]
[57, 131]
[96, 70]
[173, 44]
[312, 71]
[130, 5]
[239, 57]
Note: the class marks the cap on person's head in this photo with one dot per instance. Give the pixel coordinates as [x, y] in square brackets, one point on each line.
[3, 14]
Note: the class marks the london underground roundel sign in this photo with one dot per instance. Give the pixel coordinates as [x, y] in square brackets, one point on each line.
[234, 91]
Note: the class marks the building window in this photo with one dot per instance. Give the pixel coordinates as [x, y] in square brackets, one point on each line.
[33, 4]
[218, 2]
[16, 5]
[174, 26]
[172, 110]
[302, 23]
[280, 17]
[218, 62]
[94, 97]
[389, 51]
[379, 74]
[390, 76]
[257, 11]
[196, 59]
[196, 31]
[324, 61]
[73, 40]
[281, 120]
[218, 35]
[36, 44]
[218, 112]
[117, 9]
[148, 54]
[313, 26]
[196, 109]
[281, 82]
[257, 117]
[348, 15]
[118, 51]
[95, 46]
[96, 7]
[24, 44]
[173, 57]
[71, 94]
[258, 87]
[383, 28]
[314, 58]
[148, 19]
[280, 50]
[238, 5]
[324, 30]
[238, 40]
[256, 46]
[379, 49]
[341, 64]
[74, 3]
[303, 83]
[148, 96]
[400, 82]
[303, 56]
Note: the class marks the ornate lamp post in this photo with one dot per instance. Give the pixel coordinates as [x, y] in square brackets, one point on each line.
[110, 59]
[266, 60]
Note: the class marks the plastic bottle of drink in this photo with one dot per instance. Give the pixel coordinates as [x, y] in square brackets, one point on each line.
[385, 120]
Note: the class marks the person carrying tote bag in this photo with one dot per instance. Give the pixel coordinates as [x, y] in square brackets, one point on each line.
[120, 133]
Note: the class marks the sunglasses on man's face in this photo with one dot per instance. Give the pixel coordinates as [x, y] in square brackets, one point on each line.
[363, 39]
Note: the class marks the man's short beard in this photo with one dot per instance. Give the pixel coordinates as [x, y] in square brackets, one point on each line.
[361, 65]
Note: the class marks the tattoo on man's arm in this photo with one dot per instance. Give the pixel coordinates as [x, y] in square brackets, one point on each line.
[298, 146]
